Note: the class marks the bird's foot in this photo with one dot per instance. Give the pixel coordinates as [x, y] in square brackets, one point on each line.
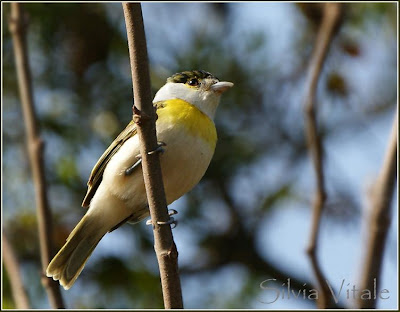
[159, 148]
[134, 166]
[171, 220]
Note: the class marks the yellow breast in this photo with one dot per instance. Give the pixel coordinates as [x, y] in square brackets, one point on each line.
[181, 113]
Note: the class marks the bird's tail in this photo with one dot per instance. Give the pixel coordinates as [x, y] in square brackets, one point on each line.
[68, 263]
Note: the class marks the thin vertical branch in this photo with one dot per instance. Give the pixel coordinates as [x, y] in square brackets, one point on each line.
[379, 221]
[35, 147]
[331, 18]
[145, 117]
[13, 269]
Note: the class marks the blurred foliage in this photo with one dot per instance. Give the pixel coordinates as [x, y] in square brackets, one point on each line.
[83, 94]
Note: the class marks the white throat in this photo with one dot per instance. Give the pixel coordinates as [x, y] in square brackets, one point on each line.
[205, 101]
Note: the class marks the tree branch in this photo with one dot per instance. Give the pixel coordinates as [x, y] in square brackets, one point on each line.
[144, 116]
[12, 266]
[379, 220]
[331, 18]
[35, 147]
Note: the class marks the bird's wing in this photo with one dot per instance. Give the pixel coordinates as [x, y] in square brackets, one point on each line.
[96, 175]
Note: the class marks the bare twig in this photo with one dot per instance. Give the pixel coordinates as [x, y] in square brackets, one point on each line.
[13, 269]
[35, 147]
[145, 117]
[379, 219]
[331, 18]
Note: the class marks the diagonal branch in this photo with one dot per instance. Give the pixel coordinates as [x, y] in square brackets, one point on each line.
[13, 269]
[35, 147]
[145, 117]
[379, 221]
[330, 22]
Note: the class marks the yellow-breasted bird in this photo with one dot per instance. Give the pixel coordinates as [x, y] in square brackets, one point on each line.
[116, 194]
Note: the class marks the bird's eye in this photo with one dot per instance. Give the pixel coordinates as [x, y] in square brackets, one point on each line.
[193, 82]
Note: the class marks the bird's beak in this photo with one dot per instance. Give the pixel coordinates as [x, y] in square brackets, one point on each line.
[221, 86]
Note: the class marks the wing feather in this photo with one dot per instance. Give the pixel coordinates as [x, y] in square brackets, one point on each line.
[96, 175]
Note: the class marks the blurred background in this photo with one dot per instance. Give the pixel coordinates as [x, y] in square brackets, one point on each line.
[249, 218]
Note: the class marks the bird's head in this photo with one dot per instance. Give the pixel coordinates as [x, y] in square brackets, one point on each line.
[197, 87]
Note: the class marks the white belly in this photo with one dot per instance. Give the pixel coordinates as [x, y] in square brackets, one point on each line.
[184, 162]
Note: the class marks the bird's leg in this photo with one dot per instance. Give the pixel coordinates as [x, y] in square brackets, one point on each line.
[134, 166]
[171, 220]
[159, 149]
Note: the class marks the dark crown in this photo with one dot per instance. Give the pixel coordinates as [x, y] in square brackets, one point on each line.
[185, 76]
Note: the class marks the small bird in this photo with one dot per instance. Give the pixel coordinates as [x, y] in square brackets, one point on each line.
[116, 194]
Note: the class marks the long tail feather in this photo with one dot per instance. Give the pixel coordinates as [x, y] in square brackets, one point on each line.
[70, 260]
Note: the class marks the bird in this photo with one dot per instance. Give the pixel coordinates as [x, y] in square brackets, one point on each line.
[185, 106]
